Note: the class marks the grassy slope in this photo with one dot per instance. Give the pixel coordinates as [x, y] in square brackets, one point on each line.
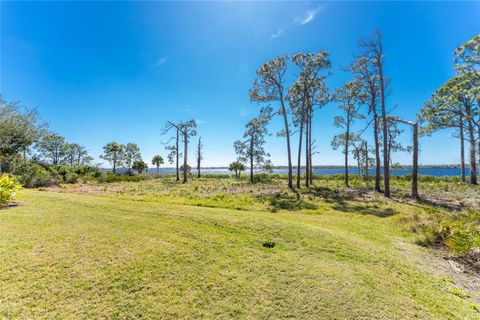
[85, 256]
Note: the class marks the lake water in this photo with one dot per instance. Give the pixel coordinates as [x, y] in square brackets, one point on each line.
[326, 171]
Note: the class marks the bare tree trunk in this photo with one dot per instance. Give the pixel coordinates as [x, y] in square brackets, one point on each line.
[185, 150]
[377, 154]
[199, 156]
[473, 162]
[287, 132]
[198, 168]
[358, 164]
[347, 141]
[367, 159]
[310, 152]
[462, 149]
[251, 158]
[386, 160]
[415, 163]
[177, 156]
[307, 152]
[478, 125]
[299, 162]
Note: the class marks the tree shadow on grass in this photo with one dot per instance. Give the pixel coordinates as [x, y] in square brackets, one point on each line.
[290, 202]
[364, 209]
[330, 195]
[345, 201]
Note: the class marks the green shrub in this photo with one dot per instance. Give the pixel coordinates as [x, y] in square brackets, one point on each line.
[460, 232]
[33, 175]
[8, 189]
[110, 177]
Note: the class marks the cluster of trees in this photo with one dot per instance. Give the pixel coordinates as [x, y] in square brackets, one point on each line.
[251, 149]
[364, 97]
[127, 156]
[183, 131]
[23, 138]
[456, 104]
[296, 104]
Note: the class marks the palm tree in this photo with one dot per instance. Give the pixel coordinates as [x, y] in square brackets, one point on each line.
[157, 161]
[238, 167]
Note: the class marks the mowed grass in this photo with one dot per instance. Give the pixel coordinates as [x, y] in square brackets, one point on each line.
[65, 256]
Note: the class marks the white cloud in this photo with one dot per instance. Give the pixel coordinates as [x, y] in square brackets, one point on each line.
[307, 17]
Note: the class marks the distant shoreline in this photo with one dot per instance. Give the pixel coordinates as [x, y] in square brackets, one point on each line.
[438, 166]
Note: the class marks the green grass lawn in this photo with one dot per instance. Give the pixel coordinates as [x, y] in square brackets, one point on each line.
[65, 255]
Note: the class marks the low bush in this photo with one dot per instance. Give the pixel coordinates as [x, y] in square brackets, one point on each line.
[460, 232]
[8, 189]
[33, 175]
[110, 177]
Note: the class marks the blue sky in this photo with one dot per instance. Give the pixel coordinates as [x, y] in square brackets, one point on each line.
[103, 71]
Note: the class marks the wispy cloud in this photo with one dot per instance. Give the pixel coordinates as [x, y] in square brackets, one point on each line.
[277, 34]
[307, 17]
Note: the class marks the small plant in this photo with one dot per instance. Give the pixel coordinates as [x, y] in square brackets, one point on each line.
[459, 293]
[475, 307]
[8, 189]
[268, 244]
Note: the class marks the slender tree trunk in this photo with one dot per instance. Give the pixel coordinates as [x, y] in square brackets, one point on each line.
[478, 126]
[1, 165]
[287, 131]
[367, 159]
[251, 158]
[358, 164]
[177, 156]
[310, 145]
[114, 166]
[462, 149]
[185, 150]
[307, 152]
[299, 162]
[199, 156]
[471, 133]
[377, 153]
[415, 163]
[347, 141]
[386, 160]
[158, 169]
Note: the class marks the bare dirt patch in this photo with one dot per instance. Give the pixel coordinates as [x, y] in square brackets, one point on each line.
[462, 275]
